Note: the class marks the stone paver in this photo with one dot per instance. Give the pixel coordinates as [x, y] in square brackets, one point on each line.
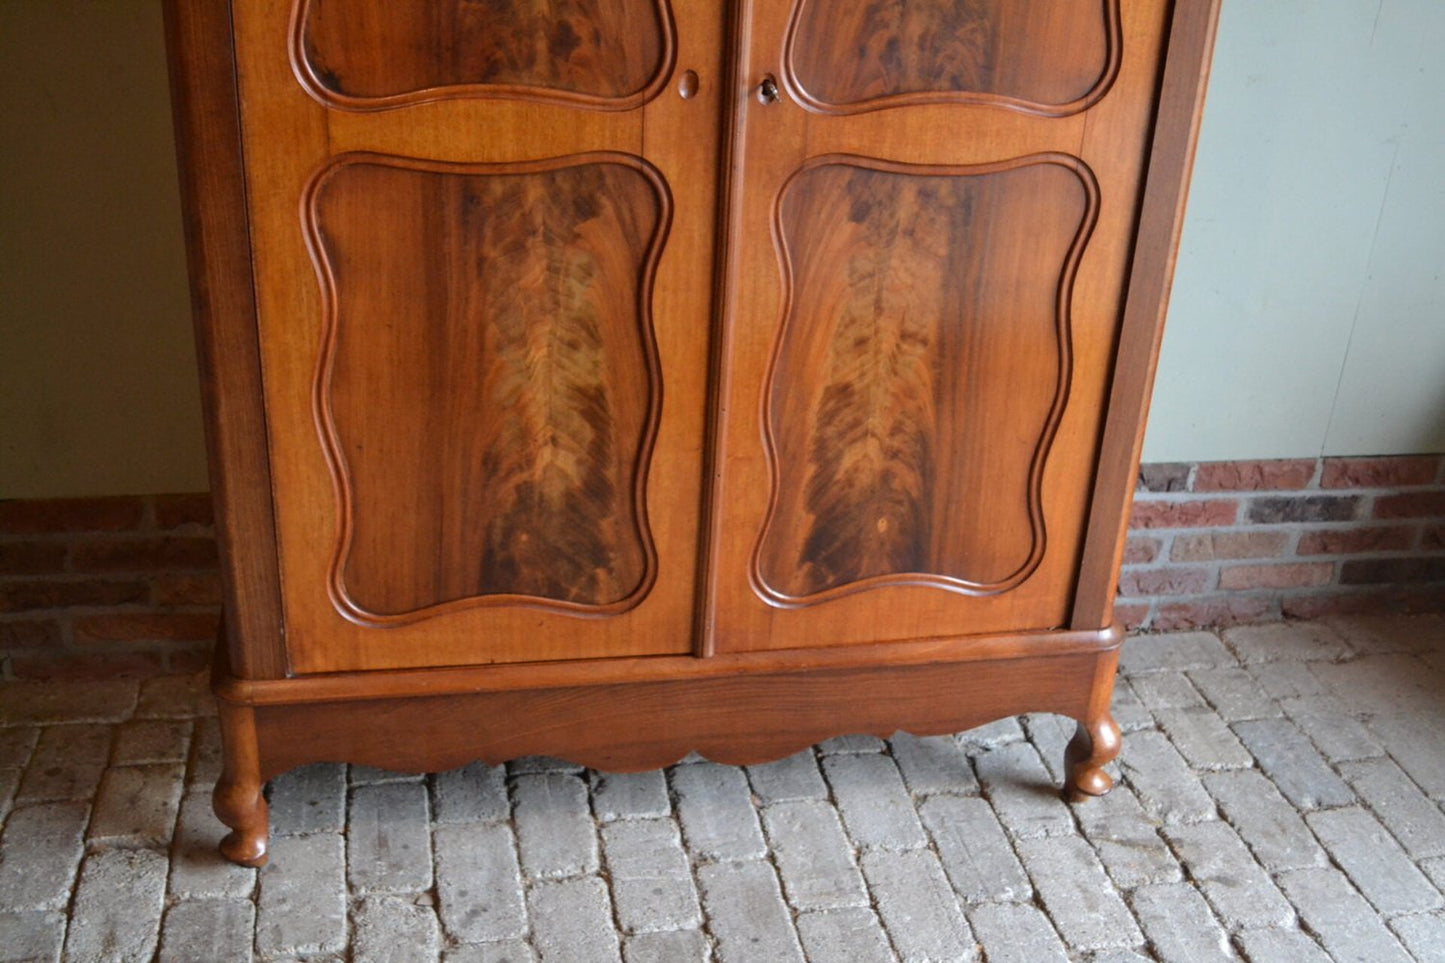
[630, 795]
[792, 778]
[673, 946]
[1374, 862]
[214, 930]
[917, 906]
[311, 799]
[474, 794]
[873, 801]
[1127, 840]
[555, 831]
[1087, 911]
[1238, 888]
[976, 854]
[388, 839]
[1293, 764]
[843, 936]
[117, 912]
[1180, 927]
[1417, 823]
[715, 807]
[1265, 820]
[573, 922]
[32, 936]
[479, 883]
[1167, 788]
[1022, 792]
[651, 886]
[395, 929]
[1016, 933]
[1340, 917]
[747, 915]
[301, 906]
[1423, 936]
[1285, 789]
[813, 856]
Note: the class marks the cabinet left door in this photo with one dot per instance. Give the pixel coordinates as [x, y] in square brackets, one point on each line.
[482, 236]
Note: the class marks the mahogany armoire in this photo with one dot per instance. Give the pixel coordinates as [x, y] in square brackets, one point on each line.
[615, 379]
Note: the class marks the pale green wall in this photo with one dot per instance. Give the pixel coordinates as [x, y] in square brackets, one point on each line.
[98, 387]
[1309, 312]
[1308, 316]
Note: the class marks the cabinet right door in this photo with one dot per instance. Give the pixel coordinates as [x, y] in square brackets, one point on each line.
[930, 230]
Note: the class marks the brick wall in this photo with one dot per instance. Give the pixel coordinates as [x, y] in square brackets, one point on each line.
[107, 586]
[1221, 543]
[128, 586]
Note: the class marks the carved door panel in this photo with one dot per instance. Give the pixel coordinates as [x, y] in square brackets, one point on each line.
[483, 237]
[916, 360]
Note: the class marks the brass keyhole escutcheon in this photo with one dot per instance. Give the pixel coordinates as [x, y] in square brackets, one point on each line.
[768, 90]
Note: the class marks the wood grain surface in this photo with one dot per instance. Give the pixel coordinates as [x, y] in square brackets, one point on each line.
[368, 54]
[916, 296]
[1045, 56]
[490, 382]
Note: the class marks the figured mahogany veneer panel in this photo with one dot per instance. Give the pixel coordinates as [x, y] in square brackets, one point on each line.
[373, 54]
[488, 389]
[1050, 57]
[920, 373]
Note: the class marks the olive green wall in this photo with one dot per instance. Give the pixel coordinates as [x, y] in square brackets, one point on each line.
[1308, 315]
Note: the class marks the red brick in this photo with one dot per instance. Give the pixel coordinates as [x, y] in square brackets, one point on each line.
[1296, 575]
[1376, 571]
[1432, 539]
[1411, 505]
[86, 667]
[1211, 613]
[1303, 508]
[35, 516]
[1139, 550]
[29, 634]
[1164, 477]
[28, 595]
[1354, 541]
[189, 661]
[1212, 513]
[32, 558]
[1208, 546]
[1253, 476]
[1131, 616]
[1314, 606]
[1379, 472]
[182, 589]
[148, 626]
[1149, 582]
[177, 511]
[143, 554]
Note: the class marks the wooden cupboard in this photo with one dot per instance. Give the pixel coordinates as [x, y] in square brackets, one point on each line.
[614, 379]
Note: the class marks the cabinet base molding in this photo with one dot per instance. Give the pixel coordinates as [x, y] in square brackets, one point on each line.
[637, 714]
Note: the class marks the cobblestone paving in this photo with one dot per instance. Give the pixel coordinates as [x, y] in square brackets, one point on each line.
[1281, 799]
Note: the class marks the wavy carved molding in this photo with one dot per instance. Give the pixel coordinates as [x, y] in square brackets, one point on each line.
[488, 388]
[920, 372]
[365, 55]
[1046, 57]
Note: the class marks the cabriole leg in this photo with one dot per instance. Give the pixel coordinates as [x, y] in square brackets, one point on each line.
[237, 800]
[1095, 744]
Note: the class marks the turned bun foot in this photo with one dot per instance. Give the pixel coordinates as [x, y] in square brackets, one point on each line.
[241, 806]
[1093, 747]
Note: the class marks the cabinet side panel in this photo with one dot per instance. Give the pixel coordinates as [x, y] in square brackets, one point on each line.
[1181, 104]
[203, 94]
